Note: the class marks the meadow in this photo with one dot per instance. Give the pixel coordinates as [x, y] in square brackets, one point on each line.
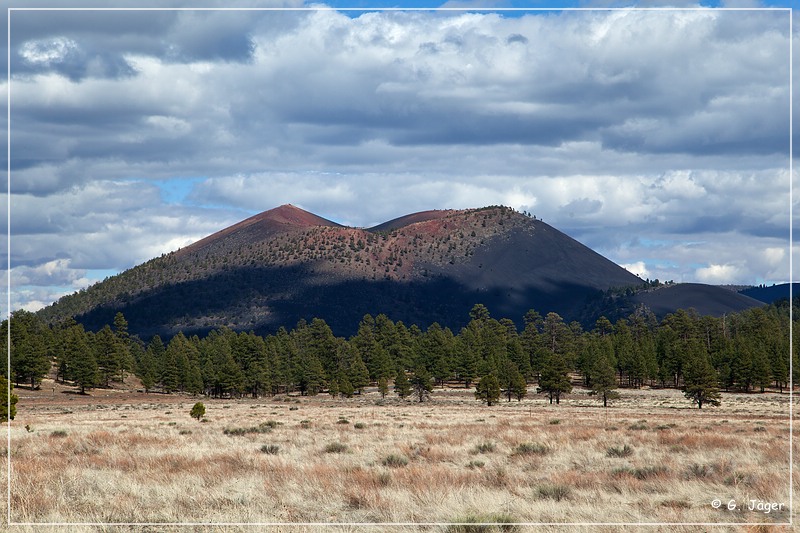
[116, 457]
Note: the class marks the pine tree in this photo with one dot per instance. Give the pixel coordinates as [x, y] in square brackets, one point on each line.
[555, 378]
[107, 351]
[519, 387]
[148, 367]
[198, 410]
[126, 360]
[30, 361]
[81, 359]
[421, 382]
[401, 385]
[9, 399]
[700, 383]
[488, 389]
[603, 381]
[383, 386]
[357, 374]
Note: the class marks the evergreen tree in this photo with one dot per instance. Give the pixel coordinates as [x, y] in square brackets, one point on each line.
[333, 387]
[555, 378]
[30, 337]
[700, 383]
[346, 388]
[401, 385]
[519, 387]
[358, 375]
[126, 361]
[108, 352]
[421, 382]
[148, 366]
[603, 381]
[81, 359]
[465, 360]
[198, 410]
[383, 386]
[9, 400]
[488, 389]
[510, 377]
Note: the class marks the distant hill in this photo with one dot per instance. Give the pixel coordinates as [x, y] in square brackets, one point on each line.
[772, 293]
[286, 264]
[705, 299]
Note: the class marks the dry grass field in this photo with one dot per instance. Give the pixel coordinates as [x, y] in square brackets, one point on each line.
[127, 457]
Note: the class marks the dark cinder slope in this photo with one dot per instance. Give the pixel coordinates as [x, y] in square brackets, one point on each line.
[413, 218]
[772, 293]
[705, 299]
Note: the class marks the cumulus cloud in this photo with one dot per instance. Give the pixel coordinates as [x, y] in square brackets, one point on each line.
[621, 128]
[717, 274]
[638, 268]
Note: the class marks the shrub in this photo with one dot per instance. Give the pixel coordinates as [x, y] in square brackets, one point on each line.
[264, 427]
[699, 470]
[394, 461]
[531, 448]
[59, 433]
[271, 449]
[343, 421]
[642, 473]
[615, 451]
[484, 447]
[198, 411]
[555, 422]
[553, 491]
[475, 464]
[336, 447]
[359, 425]
[494, 523]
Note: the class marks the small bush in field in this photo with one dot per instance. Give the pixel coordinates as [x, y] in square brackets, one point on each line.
[554, 491]
[336, 447]
[58, 433]
[493, 523]
[198, 411]
[483, 447]
[394, 461]
[270, 449]
[641, 473]
[531, 448]
[616, 451]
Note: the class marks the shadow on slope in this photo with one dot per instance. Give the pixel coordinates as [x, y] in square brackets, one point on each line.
[264, 298]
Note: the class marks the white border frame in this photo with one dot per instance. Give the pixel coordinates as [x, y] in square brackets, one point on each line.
[790, 523]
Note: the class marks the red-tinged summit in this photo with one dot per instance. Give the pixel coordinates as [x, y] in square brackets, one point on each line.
[285, 218]
[294, 216]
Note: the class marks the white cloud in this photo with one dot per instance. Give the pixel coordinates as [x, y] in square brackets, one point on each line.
[638, 268]
[718, 274]
[47, 51]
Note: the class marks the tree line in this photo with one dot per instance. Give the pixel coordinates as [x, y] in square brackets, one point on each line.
[746, 351]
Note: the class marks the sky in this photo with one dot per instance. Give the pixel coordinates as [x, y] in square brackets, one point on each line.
[659, 138]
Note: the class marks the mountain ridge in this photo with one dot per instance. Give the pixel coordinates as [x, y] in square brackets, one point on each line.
[287, 264]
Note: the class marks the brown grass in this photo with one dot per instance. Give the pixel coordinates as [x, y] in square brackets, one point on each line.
[462, 461]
